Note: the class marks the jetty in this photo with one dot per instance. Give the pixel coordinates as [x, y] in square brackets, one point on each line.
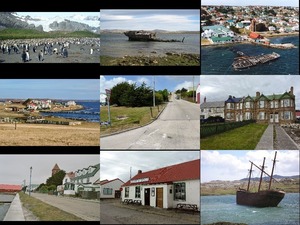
[244, 61]
[141, 35]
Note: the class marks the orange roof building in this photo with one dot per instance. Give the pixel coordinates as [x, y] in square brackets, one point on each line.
[10, 188]
[166, 187]
[254, 35]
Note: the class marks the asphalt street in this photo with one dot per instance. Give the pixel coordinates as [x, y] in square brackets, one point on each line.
[178, 127]
[85, 209]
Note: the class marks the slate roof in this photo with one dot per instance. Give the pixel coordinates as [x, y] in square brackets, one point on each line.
[184, 171]
[212, 104]
[233, 100]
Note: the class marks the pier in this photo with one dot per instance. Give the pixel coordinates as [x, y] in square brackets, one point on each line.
[248, 61]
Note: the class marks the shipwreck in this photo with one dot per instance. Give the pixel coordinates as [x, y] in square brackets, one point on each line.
[261, 198]
[141, 35]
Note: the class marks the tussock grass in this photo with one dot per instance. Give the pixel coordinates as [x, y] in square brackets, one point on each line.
[44, 211]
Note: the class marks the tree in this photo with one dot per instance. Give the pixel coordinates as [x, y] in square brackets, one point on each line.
[234, 29]
[27, 101]
[56, 179]
[40, 186]
[118, 91]
[158, 98]
[261, 27]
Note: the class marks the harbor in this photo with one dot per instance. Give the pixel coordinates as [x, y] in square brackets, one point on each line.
[248, 61]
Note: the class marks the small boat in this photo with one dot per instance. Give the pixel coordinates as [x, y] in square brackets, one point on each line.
[141, 35]
[261, 198]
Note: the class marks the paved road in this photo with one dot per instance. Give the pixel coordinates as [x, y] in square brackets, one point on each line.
[178, 127]
[116, 213]
[87, 210]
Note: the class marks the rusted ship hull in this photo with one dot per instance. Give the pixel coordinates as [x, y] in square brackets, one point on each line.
[268, 198]
[146, 36]
[249, 61]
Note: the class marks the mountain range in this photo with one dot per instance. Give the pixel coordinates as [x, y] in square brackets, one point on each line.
[56, 23]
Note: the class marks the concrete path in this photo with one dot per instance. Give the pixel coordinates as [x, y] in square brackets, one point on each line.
[284, 141]
[15, 212]
[87, 210]
[266, 140]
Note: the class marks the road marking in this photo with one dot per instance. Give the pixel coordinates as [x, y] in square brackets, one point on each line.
[153, 132]
[164, 135]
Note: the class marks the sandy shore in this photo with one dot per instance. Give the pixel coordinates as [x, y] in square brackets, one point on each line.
[87, 134]
[76, 54]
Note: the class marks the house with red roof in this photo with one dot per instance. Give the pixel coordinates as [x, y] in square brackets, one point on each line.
[10, 188]
[110, 188]
[165, 187]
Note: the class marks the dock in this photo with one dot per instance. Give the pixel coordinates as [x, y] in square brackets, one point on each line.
[248, 61]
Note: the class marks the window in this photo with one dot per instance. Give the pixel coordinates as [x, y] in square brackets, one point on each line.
[107, 191]
[66, 180]
[88, 180]
[285, 103]
[229, 105]
[248, 105]
[126, 192]
[261, 115]
[202, 110]
[138, 192]
[241, 105]
[248, 116]
[261, 104]
[287, 115]
[209, 110]
[228, 116]
[179, 191]
[237, 106]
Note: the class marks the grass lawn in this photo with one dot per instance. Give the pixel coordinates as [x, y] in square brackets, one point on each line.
[242, 138]
[126, 117]
[44, 211]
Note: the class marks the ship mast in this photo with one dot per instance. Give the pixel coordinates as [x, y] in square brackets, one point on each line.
[272, 170]
[249, 176]
[262, 170]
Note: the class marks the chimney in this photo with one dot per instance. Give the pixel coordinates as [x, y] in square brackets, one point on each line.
[230, 97]
[292, 90]
[257, 94]
[139, 171]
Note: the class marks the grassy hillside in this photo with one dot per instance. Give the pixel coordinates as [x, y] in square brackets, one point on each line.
[14, 33]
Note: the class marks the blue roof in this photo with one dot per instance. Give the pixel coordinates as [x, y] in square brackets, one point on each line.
[233, 100]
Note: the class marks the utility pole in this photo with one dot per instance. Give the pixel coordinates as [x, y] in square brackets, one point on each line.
[30, 181]
[193, 89]
[153, 91]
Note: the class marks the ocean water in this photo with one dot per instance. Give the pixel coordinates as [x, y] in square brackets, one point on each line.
[117, 45]
[91, 112]
[218, 60]
[224, 208]
[4, 207]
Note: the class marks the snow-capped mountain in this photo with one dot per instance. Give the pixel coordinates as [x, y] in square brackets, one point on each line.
[72, 22]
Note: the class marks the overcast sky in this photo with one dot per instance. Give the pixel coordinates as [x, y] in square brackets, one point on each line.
[15, 168]
[171, 83]
[171, 20]
[116, 164]
[82, 89]
[294, 3]
[219, 87]
[234, 165]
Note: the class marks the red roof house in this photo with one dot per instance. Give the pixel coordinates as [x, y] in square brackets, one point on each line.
[254, 35]
[10, 188]
[110, 188]
[165, 187]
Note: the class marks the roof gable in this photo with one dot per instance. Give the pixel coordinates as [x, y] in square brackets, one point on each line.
[109, 181]
[184, 171]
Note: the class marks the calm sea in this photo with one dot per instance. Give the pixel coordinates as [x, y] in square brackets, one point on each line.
[117, 45]
[224, 208]
[218, 60]
[91, 112]
[4, 207]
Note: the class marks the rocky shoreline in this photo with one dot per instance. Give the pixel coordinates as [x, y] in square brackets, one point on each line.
[170, 59]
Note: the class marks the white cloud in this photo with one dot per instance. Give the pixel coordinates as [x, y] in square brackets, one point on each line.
[185, 84]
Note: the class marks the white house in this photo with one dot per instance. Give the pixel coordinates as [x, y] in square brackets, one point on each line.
[208, 109]
[166, 187]
[271, 28]
[110, 188]
[82, 179]
[70, 103]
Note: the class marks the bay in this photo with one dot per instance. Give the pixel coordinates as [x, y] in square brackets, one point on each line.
[90, 113]
[224, 208]
[219, 59]
[4, 206]
[117, 45]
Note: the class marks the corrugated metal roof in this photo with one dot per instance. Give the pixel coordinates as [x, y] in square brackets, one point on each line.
[179, 172]
[10, 187]
[108, 181]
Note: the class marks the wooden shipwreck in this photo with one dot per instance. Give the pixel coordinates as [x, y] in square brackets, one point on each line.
[264, 198]
[244, 61]
[141, 35]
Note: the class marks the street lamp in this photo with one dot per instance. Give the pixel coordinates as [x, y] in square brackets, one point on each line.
[30, 180]
[153, 91]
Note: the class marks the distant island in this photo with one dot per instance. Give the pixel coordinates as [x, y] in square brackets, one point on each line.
[119, 31]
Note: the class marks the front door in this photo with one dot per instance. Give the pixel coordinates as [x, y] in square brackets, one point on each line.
[147, 196]
[271, 118]
[117, 193]
[159, 197]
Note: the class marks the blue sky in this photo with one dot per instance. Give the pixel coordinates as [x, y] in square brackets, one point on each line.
[294, 3]
[81, 89]
[171, 20]
[171, 83]
[234, 165]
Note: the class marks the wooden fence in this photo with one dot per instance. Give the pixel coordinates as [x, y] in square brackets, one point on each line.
[211, 129]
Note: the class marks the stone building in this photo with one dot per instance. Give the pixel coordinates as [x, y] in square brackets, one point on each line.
[275, 108]
[55, 169]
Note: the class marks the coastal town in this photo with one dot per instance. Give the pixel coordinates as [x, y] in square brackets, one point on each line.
[229, 24]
